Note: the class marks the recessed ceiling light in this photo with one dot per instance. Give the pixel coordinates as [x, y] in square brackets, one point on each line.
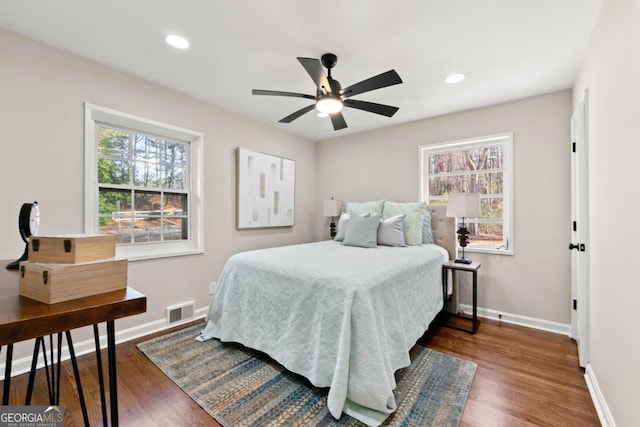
[454, 78]
[176, 41]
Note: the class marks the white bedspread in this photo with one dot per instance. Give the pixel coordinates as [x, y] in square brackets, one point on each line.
[343, 317]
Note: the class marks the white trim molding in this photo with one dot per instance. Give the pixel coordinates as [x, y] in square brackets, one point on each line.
[516, 319]
[604, 414]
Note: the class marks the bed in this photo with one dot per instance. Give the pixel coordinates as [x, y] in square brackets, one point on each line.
[343, 317]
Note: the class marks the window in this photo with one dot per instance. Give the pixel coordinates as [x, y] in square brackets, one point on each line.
[143, 184]
[481, 165]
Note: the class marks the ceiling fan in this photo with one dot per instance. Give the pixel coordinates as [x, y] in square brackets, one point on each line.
[330, 97]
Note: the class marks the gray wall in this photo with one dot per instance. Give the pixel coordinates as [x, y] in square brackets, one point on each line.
[41, 134]
[610, 72]
[535, 282]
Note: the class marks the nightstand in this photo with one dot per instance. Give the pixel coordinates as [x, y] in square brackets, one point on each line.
[473, 269]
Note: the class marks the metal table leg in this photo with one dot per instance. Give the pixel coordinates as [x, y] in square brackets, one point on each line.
[113, 386]
[96, 338]
[7, 374]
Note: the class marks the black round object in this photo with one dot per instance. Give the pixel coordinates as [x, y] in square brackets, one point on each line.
[25, 223]
[28, 221]
[329, 60]
[23, 220]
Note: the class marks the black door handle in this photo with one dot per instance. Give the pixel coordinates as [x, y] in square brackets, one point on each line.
[579, 246]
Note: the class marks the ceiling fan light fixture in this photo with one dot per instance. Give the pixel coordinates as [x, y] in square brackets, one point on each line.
[329, 104]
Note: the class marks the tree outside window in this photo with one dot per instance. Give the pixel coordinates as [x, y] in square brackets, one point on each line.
[479, 165]
[142, 186]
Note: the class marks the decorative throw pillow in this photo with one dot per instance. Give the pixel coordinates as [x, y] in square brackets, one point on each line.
[427, 233]
[343, 223]
[413, 221]
[362, 231]
[391, 231]
[374, 207]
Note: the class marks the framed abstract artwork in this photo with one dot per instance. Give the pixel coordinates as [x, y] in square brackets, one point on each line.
[265, 190]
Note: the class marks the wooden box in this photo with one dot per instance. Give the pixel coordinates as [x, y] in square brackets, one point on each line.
[52, 283]
[71, 249]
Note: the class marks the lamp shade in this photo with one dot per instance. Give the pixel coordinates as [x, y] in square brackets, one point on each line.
[330, 208]
[463, 205]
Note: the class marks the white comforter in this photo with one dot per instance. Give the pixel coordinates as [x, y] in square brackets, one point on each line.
[343, 317]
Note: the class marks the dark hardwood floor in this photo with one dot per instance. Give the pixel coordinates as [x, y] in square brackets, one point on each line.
[525, 377]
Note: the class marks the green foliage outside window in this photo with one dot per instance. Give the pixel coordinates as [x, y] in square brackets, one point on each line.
[141, 180]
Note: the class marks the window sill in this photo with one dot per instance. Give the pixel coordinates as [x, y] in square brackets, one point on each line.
[140, 252]
[489, 251]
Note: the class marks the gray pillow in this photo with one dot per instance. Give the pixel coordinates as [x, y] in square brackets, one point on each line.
[427, 233]
[343, 223]
[362, 231]
[391, 231]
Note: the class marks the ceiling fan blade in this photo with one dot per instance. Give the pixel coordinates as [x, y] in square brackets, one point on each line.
[278, 93]
[389, 78]
[372, 107]
[338, 121]
[300, 112]
[315, 70]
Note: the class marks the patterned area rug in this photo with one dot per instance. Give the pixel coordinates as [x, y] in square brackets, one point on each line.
[242, 387]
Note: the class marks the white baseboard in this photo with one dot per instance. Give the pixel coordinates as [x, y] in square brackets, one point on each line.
[516, 319]
[22, 365]
[604, 414]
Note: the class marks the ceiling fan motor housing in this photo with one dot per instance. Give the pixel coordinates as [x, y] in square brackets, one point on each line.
[329, 60]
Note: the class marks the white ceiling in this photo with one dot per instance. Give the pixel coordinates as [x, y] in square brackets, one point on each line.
[509, 49]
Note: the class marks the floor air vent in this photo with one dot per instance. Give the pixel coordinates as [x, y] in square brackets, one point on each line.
[181, 312]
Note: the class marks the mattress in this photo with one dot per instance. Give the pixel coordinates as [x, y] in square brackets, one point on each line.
[343, 317]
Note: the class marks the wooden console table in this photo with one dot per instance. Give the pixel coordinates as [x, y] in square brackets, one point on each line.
[22, 318]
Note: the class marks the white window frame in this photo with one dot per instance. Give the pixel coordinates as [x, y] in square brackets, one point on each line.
[94, 115]
[506, 139]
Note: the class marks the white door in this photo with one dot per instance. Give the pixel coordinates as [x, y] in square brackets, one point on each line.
[579, 244]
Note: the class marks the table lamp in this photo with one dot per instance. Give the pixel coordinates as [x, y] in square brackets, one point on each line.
[463, 205]
[331, 209]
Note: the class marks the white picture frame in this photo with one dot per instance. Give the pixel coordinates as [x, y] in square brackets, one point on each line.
[265, 190]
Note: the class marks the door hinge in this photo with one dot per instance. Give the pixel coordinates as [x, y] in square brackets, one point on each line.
[573, 147]
[575, 304]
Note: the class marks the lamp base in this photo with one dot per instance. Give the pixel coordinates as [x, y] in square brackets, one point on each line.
[333, 231]
[463, 261]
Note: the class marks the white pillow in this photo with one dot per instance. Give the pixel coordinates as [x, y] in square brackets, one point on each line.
[391, 231]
